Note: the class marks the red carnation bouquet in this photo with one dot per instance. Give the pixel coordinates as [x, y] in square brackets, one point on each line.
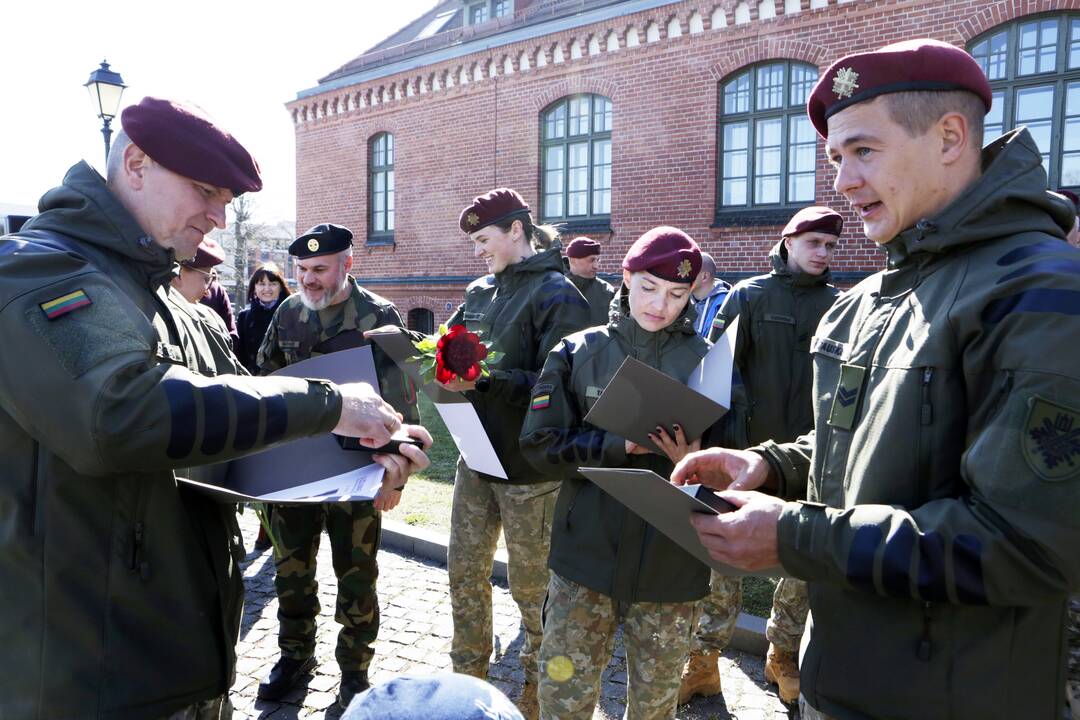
[454, 354]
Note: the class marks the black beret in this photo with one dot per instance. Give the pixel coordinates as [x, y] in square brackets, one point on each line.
[323, 239]
[183, 139]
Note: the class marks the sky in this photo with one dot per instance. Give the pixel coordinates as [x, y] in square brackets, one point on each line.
[240, 60]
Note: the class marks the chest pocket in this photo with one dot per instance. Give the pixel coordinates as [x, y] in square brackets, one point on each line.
[291, 350]
[169, 353]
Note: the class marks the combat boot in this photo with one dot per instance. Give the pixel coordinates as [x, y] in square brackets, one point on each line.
[782, 670]
[527, 703]
[286, 672]
[700, 676]
[353, 682]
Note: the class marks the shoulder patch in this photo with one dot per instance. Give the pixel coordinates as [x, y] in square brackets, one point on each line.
[1051, 440]
[58, 307]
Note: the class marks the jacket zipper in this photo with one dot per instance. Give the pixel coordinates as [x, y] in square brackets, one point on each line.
[138, 564]
[925, 647]
[926, 417]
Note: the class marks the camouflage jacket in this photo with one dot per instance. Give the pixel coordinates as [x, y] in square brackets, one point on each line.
[121, 592]
[211, 332]
[522, 312]
[598, 294]
[940, 537]
[595, 540]
[297, 333]
[778, 315]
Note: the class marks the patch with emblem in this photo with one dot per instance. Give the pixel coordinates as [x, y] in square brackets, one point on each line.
[313, 245]
[719, 322]
[593, 392]
[58, 307]
[1051, 440]
[684, 268]
[846, 400]
[845, 82]
[827, 346]
[540, 402]
[473, 219]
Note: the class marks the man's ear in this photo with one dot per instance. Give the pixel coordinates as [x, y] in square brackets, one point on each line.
[348, 261]
[955, 135]
[135, 165]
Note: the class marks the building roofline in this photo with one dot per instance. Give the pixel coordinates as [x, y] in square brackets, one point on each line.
[440, 49]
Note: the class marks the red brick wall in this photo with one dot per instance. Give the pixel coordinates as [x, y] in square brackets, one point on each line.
[461, 141]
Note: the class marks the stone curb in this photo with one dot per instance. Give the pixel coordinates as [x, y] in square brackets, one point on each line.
[749, 629]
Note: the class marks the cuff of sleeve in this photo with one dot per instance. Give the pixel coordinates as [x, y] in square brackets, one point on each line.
[326, 400]
[778, 466]
[614, 449]
[483, 384]
[802, 534]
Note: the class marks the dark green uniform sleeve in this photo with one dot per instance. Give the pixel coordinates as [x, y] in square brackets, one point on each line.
[88, 387]
[554, 438]
[1010, 538]
[395, 387]
[559, 309]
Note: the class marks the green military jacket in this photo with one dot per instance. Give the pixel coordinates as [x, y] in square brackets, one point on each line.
[297, 333]
[946, 463]
[778, 314]
[522, 312]
[595, 540]
[121, 592]
[212, 334]
[598, 294]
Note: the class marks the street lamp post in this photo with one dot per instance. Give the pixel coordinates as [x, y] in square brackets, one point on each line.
[105, 87]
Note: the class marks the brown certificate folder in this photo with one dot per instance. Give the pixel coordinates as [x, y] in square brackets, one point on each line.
[667, 508]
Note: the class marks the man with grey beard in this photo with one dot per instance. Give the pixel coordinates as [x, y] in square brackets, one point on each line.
[330, 313]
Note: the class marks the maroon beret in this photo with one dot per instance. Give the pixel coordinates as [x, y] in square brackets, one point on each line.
[1072, 196]
[815, 219]
[208, 255]
[183, 139]
[666, 252]
[909, 65]
[493, 207]
[581, 247]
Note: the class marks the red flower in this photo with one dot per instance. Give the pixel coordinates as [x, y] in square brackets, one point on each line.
[458, 353]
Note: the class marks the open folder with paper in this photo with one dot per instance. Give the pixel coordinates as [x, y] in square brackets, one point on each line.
[638, 397]
[668, 508]
[454, 408]
[309, 470]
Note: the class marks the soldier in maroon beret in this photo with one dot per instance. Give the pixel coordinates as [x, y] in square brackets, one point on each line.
[606, 564]
[583, 259]
[933, 505]
[523, 307]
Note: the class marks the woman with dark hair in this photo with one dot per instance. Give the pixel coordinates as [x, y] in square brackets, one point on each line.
[266, 290]
[523, 308]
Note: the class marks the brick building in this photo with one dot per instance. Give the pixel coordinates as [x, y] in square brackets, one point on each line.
[612, 116]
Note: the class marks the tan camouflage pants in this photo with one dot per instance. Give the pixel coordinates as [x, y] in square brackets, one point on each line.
[790, 604]
[718, 613]
[808, 713]
[219, 708]
[579, 632]
[480, 510]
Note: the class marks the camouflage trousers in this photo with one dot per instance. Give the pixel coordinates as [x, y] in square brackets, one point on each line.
[719, 612]
[219, 708]
[354, 540]
[579, 632]
[806, 712]
[790, 604]
[480, 509]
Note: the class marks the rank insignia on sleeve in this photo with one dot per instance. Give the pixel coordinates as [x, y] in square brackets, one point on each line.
[1051, 440]
[846, 400]
[64, 304]
[540, 402]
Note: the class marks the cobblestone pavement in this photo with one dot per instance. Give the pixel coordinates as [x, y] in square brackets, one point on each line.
[415, 637]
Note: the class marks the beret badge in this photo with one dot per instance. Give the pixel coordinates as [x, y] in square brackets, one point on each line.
[845, 82]
[473, 219]
[313, 245]
[684, 269]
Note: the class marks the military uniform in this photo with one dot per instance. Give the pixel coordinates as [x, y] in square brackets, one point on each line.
[598, 294]
[943, 476]
[522, 312]
[778, 315]
[609, 565]
[103, 398]
[297, 333]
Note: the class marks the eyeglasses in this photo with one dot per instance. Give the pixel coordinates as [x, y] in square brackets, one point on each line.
[209, 276]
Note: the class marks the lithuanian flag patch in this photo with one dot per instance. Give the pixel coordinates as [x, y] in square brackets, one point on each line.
[541, 401]
[64, 304]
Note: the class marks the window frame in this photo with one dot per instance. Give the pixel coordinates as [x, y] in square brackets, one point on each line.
[385, 236]
[590, 219]
[1059, 78]
[752, 212]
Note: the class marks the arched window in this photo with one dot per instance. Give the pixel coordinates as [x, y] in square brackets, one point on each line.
[381, 182]
[767, 144]
[421, 320]
[1033, 66]
[575, 157]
